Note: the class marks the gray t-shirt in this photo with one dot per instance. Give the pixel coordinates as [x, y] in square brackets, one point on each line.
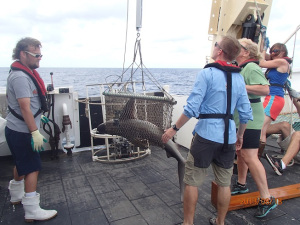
[20, 85]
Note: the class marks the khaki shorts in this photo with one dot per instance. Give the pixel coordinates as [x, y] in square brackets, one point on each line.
[194, 176]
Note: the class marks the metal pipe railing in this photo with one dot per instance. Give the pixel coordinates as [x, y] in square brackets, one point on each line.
[292, 34]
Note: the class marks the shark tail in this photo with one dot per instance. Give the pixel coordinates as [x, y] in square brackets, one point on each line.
[181, 166]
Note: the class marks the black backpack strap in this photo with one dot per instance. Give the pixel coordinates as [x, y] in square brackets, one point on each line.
[19, 116]
[277, 85]
[214, 116]
[226, 119]
[255, 100]
[232, 69]
[249, 61]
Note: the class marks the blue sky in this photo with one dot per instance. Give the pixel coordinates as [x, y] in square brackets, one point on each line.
[91, 33]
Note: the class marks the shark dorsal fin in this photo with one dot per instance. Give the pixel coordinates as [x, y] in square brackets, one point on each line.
[129, 110]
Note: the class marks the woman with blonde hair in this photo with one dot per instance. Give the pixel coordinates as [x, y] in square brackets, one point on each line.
[247, 158]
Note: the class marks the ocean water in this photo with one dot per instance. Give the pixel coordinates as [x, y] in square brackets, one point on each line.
[179, 80]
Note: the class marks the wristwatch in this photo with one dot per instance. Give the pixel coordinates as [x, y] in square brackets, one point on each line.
[174, 127]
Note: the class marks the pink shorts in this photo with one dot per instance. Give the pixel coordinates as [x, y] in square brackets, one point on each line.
[273, 105]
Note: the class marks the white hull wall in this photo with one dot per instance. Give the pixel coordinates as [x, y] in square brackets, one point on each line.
[4, 150]
[184, 135]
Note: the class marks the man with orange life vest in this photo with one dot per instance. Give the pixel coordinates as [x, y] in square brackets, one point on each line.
[26, 100]
[218, 90]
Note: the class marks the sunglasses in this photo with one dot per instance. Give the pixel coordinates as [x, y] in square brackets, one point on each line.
[217, 45]
[34, 55]
[275, 51]
[244, 47]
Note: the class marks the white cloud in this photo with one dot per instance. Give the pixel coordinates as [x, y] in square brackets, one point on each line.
[91, 33]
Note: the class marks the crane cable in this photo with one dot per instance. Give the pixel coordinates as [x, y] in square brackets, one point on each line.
[126, 33]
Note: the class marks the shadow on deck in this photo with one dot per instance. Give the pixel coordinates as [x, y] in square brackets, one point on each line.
[132, 193]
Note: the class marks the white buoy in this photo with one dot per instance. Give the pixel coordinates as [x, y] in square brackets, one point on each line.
[66, 123]
[65, 109]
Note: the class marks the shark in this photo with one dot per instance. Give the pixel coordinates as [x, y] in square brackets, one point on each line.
[141, 133]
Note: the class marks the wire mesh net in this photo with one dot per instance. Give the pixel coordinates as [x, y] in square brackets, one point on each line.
[139, 118]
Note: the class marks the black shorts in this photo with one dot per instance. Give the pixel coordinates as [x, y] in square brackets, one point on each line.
[205, 152]
[251, 139]
[26, 160]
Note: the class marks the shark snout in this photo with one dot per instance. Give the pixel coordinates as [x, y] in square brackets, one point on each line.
[101, 129]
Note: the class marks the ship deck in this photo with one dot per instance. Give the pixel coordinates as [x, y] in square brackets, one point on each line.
[141, 192]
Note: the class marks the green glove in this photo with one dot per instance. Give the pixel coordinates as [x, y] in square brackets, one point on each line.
[37, 141]
[44, 119]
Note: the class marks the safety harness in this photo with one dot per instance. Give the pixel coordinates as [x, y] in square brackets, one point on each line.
[40, 86]
[289, 60]
[228, 69]
[253, 100]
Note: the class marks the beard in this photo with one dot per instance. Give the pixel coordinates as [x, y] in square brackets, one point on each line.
[34, 66]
